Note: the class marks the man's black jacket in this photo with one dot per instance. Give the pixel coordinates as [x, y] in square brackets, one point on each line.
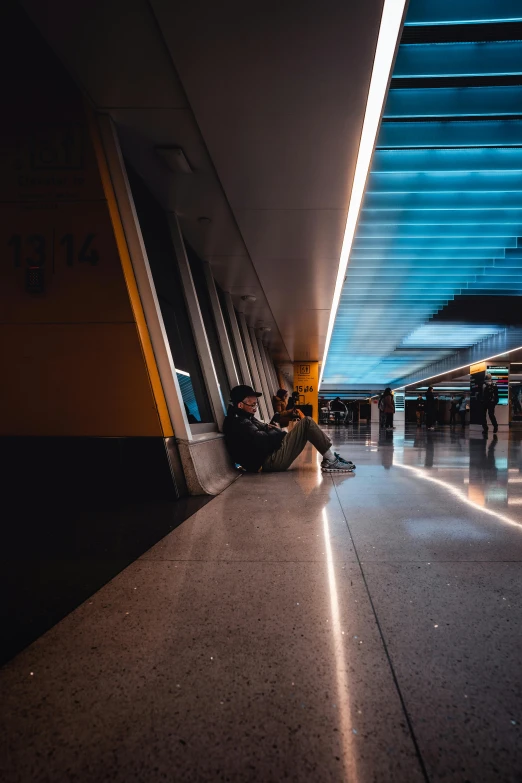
[430, 401]
[490, 394]
[249, 441]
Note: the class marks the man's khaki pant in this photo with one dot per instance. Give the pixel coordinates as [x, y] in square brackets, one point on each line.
[304, 431]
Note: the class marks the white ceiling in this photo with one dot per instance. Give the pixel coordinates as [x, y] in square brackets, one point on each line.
[276, 95]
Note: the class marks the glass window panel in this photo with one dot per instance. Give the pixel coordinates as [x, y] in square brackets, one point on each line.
[162, 260]
[205, 305]
[228, 326]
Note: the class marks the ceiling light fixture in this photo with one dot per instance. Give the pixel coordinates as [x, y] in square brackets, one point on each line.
[391, 25]
[175, 159]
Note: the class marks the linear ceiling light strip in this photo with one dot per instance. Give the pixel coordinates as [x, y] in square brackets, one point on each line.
[391, 26]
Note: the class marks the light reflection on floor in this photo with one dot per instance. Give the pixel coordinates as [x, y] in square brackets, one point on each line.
[486, 470]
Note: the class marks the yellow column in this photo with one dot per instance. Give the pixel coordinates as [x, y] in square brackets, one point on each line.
[306, 384]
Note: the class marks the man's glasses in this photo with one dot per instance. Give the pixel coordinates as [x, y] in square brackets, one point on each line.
[250, 405]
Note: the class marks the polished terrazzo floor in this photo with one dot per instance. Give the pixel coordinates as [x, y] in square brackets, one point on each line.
[301, 628]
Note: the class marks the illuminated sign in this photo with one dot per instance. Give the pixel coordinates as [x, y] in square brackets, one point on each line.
[480, 367]
[399, 401]
[500, 376]
[306, 384]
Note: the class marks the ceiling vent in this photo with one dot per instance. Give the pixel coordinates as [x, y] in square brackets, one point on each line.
[175, 159]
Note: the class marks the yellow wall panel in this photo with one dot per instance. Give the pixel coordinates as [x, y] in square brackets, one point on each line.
[83, 279]
[74, 379]
[74, 345]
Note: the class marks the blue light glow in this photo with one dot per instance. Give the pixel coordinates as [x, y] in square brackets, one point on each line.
[493, 58]
[440, 335]
[436, 12]
[442, 212]
[454, 102]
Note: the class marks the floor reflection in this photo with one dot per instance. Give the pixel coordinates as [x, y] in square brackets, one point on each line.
[485, 471]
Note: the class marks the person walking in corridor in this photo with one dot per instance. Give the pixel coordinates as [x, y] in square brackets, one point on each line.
[462, 406]
[388, 408]
[430, 409]
[453, 411]
[419, 410]
[489, 402]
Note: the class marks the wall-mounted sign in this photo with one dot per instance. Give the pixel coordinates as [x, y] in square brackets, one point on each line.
[306, 384]
[500, 376]
[399, 401]
[479, 367]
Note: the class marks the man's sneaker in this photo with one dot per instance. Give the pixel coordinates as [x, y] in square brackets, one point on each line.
[343, 461]
[338, 465]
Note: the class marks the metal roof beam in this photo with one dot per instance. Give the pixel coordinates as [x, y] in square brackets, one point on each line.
[435, 241]
[421, 61]
[436, 162]
[493, 182]
[453, 102]
[476, 255]
[505, 233]
[487, 133]
[425, 216]
[454, 201]
[427, 12]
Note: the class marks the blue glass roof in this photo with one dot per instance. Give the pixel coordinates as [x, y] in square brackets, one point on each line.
[441, 218]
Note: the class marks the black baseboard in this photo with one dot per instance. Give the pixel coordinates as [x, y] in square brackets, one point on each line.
[75, 512]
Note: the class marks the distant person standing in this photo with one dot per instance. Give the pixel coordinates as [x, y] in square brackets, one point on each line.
[430, 409]
[517, 406]
[489, 402]
[462, 408]
[388, 408]
[338, 408]
[419, 410]
[382, 417]
[453, 411]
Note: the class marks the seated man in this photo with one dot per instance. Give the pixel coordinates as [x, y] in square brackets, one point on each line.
[284, 410]
[279, 401]
[257, 446]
